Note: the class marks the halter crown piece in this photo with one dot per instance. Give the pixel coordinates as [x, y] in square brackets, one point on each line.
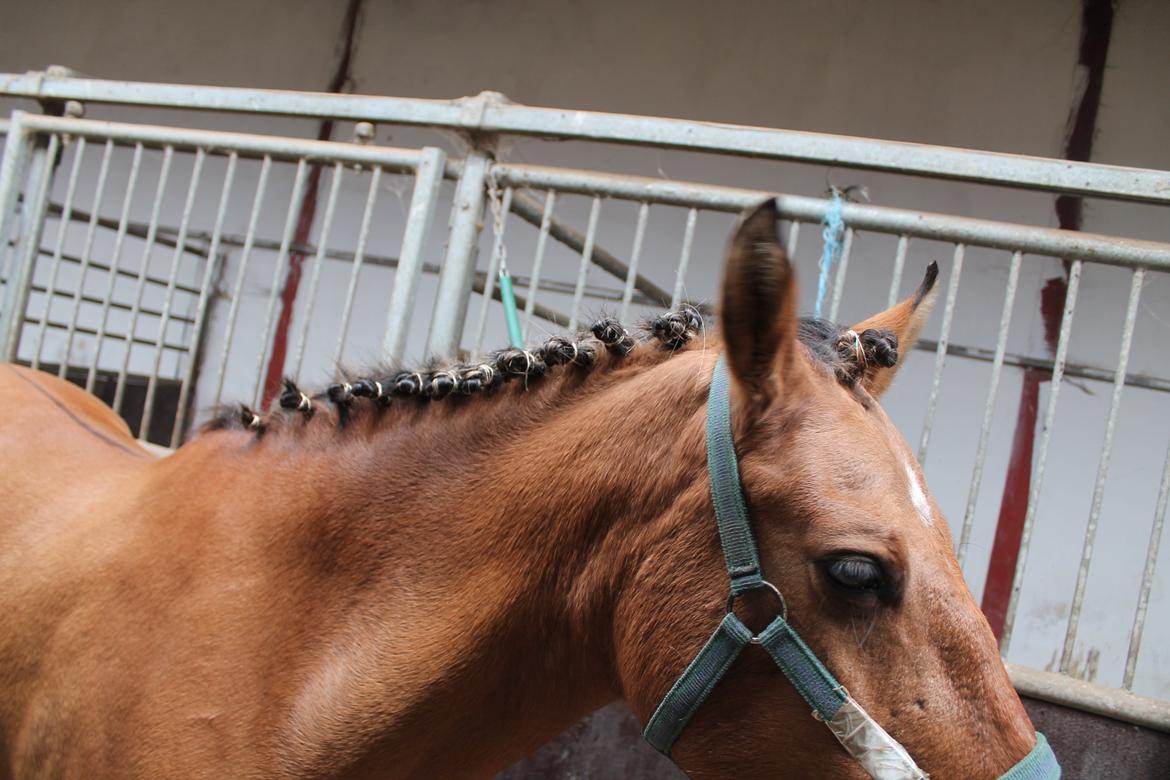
[861, 736]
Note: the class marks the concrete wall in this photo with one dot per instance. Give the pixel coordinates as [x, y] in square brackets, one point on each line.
[996, 75]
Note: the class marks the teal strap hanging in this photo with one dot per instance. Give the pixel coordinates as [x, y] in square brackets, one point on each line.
[511, 315]
[831, 251]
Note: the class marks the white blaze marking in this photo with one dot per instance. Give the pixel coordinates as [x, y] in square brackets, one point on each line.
[918, 496]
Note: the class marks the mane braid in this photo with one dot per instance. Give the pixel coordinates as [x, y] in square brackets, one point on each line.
[844, 353]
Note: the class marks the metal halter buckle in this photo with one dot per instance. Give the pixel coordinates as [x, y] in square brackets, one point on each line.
[764, 585]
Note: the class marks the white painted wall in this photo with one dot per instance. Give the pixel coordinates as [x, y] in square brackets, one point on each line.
[995, 75]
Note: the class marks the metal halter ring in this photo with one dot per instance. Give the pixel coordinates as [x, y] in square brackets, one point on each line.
[764, 585]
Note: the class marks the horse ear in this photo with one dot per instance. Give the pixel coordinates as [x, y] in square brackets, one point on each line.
[905, 321]
[757, 313]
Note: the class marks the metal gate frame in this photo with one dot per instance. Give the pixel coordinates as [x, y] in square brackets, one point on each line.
[484, 117]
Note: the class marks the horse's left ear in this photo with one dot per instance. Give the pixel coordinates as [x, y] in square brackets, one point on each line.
[904, 320]
[757, 313]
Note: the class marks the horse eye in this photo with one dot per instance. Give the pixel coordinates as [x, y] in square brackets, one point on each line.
[856, 573]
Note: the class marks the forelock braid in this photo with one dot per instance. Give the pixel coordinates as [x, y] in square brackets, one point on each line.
[858, 352]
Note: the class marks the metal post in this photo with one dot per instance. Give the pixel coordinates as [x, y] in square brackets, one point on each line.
[428, 179]
[550, 202]
[941, 354]
[583, 266]
[684, 259]
[1074, 615]
[24, 252]
[17, 148]
[211, 273]
[842, 269]
[459, 265]
[1066, 321]
[635, 254]
[1005, 321]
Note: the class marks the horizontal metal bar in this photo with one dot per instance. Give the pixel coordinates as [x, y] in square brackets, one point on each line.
[37, 288]
[1078, 370]
[532, 212]
[1053, 242]
[163, 235]
[88, 331]
[221, 142]
[94, 265]
[491, 112]
[1089, 697]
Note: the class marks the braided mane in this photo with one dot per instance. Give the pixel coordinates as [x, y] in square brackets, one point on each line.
[842, 352]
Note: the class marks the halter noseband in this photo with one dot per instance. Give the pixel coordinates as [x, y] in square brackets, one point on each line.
[864, 739]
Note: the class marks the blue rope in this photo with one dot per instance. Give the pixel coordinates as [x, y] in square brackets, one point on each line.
[831, 235]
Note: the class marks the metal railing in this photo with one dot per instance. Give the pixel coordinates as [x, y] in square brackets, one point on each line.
[554, 292]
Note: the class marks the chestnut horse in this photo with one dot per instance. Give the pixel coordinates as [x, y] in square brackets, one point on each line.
[364, 584]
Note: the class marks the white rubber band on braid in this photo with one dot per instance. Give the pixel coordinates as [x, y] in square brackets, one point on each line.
[305, 404]
[378, 387]
[858, 349]
[255, 422]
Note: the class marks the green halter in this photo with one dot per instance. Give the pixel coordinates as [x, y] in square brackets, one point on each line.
[863, 738]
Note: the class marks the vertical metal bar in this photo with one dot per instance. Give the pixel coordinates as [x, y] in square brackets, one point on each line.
[684, 259]
[140, 284]
[458, 271]
[1005, 321]
[87, 247]
[550, 202]
[290, 222]
[318, 260]
[358, 256]
[428, 180]
[839, 281]
[55, 262]
[1074, 615]
[36, 205]
[899, 264]
[1070, 302]
[586, 259]
[940, 356]
[17, 147]
[210, 273]
[497, 257]
[168, 297]
[793, 238]
[115, 258]
[241, 275]
[1139, 618]
[635, 254]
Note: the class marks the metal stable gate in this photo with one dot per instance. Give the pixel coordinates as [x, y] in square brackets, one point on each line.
[146, 262]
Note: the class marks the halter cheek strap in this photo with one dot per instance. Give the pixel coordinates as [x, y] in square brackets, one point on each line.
[861, 736]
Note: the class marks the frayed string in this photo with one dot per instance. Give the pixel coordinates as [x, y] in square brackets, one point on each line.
[831, 235]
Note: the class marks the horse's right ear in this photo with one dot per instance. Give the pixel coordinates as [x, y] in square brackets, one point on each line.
[757, 314]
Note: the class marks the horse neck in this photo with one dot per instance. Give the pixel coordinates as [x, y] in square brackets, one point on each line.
[469, 561]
